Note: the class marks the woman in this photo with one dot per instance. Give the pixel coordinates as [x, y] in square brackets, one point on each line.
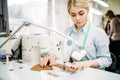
[93, 39]
[115, 39]
[108, 16]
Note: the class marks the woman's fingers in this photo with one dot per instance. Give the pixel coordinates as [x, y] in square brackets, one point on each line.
[51, 59]
[44, 61]
[80, 65]
[74, 65]
[48, 60]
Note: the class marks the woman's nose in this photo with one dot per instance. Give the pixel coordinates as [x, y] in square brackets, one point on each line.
[77, 17]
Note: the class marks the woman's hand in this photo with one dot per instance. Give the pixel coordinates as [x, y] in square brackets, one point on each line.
[84, 64]
[48, 60]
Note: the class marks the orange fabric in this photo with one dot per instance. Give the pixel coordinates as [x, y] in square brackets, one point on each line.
[37, 67]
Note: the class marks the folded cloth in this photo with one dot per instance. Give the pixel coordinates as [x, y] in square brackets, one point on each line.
[37, 67]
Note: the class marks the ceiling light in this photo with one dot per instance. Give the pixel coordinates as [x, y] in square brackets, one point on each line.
[101, 2]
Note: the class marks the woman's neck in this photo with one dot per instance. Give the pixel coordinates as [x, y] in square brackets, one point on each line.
[79, 27]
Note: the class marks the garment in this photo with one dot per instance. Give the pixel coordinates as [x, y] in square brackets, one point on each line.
[96, 45]
[115, 39]
[115, 49]
[115, 29]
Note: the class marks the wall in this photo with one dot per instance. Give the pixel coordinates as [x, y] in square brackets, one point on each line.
[114, 5]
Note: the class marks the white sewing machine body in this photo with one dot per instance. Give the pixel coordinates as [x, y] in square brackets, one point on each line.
[36, 46]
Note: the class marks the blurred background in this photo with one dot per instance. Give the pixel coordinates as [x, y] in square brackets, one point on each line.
[52, 14]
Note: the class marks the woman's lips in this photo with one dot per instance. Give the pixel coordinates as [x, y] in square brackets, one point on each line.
[78, 22]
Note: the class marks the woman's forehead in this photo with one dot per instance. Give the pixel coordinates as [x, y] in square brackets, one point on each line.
[77, 9]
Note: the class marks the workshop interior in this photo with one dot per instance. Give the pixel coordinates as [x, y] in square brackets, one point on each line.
[30, 29]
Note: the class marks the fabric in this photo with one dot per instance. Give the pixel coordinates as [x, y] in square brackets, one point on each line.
[96, 45]
[67, 68]
[37, 67]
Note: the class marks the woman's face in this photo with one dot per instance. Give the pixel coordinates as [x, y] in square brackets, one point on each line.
[107, 18]
[79, 16]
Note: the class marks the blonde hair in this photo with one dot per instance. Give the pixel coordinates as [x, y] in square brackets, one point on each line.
[77, 3]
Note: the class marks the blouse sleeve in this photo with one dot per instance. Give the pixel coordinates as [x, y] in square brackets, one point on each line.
[102, 49]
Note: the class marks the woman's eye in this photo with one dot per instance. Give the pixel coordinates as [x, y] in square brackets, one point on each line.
[81, 13]
[73, 15]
